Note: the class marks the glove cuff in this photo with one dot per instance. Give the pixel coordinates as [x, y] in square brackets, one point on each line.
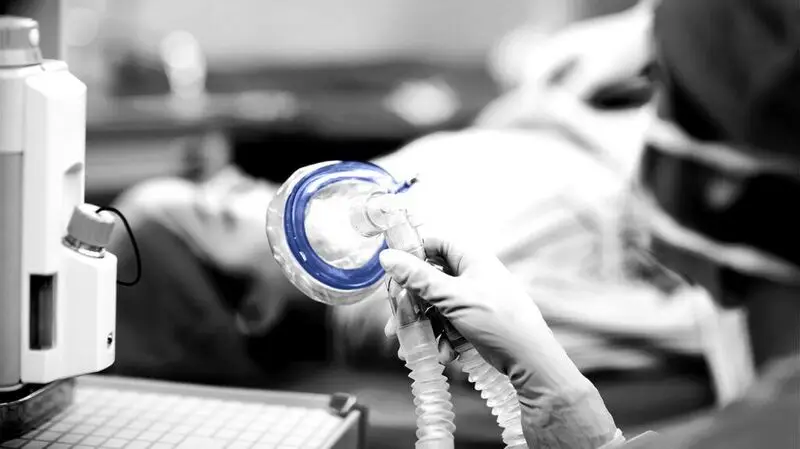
[573, 417]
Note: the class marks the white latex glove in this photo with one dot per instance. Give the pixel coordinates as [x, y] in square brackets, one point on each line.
[560, 407]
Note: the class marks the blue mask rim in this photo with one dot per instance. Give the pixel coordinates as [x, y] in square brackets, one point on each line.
[294, 224]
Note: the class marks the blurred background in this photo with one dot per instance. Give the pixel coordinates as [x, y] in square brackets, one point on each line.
[182, 89]
[285, 75]
[312, 74]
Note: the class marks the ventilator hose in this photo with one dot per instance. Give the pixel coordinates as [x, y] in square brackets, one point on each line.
[499, 394]
[430, 387]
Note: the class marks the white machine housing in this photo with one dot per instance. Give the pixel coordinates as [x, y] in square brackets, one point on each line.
[67, 299]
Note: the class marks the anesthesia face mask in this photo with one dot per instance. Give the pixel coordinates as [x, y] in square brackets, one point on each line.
[321, 233]
[327, 225]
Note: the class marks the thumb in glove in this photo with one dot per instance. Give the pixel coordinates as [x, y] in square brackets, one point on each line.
[490, 308]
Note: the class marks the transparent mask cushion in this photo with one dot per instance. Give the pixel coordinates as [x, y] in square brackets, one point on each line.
[304, 244]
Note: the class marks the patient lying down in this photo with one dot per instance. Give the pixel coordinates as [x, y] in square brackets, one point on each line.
[557, 215]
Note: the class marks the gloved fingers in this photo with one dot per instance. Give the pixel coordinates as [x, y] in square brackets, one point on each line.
[440, 264]
[446, 352]
[416, 275]
[446, 251]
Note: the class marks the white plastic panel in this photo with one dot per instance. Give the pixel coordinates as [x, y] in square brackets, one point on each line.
[12, 98]
[55, 142]
[84, 288]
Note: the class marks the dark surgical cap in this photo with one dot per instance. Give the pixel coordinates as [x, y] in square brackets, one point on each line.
[721, 167]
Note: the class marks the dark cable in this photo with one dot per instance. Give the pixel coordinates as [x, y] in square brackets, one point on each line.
[133, 242]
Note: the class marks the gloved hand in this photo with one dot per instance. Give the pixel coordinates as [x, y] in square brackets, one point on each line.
[560, 407]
